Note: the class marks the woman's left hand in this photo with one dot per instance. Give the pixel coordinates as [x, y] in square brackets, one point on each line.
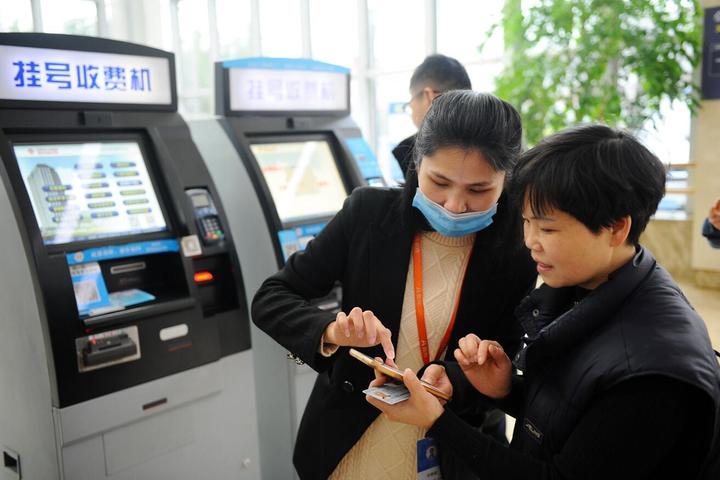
[421, 409]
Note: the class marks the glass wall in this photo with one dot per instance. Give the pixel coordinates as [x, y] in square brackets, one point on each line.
[380, 41]
[470, 32]
[16, 16]
[234, 28]
[77, 17]
[335, 42]
[669, 139]
[194, 60]
[280, 28]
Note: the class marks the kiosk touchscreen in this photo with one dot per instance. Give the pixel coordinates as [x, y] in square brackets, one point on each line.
[89, 190]
[125, 346]
[305, 185]
[284, 154]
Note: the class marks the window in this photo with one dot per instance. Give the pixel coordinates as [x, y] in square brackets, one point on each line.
[331, 40]
[475, 20]
[392, 123]
[338, 43]
[397, 34]
[234, 28]
[669, 139]
[463, 26]
[280, 28]
[195, 72]
[16, 16]
[76, 17]
[148, 23]
[482, 75]
[398, 42]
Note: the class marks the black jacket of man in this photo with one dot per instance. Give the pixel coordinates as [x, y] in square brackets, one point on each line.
[403, 153]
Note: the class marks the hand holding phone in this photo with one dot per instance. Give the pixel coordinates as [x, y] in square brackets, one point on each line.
[395, 373]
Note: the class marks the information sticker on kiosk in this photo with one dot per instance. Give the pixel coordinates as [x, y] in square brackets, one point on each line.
[123, 262]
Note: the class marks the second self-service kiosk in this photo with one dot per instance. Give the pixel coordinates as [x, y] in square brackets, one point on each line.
[284, 155]
[124, 332]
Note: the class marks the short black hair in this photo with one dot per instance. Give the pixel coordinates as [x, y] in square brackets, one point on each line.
[471, 121]
[442, 73]
[595, 173]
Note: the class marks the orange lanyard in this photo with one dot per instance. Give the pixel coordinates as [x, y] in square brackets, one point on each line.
[420, 306]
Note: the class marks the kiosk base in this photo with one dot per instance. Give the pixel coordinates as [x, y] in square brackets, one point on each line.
[165, 429]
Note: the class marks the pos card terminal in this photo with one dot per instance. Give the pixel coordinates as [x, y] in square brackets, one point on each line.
[206, 216]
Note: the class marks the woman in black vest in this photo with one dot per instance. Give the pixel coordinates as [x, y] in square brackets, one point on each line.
[619, 379]
[453, 213]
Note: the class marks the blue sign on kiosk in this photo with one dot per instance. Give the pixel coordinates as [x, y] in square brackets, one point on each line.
[711, 55]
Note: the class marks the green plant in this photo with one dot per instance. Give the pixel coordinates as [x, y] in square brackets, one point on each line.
[610, 61]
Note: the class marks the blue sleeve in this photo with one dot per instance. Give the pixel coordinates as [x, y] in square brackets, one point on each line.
[711, 233]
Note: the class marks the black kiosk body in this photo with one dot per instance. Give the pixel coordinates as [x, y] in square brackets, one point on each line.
[284, 155]
[125, 350]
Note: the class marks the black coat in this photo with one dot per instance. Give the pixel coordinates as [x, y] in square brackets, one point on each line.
[403, 153]
[637, 323]
[367, 248]
[636, 326]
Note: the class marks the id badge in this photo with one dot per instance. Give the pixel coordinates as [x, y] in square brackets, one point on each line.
[428, 460]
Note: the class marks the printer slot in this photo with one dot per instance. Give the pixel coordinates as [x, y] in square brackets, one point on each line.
[108, 349]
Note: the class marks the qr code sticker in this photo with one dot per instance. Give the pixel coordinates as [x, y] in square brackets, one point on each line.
[86, 292]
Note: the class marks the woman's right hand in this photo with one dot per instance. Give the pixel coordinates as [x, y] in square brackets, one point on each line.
[485, 365]
[360, 328]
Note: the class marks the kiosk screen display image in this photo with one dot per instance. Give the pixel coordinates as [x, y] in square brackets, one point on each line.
[89, 190]
[303, 178]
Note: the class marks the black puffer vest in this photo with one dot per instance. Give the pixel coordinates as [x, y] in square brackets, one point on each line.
[637, 323]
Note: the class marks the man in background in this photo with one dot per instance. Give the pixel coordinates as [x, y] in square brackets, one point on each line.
[435, 75]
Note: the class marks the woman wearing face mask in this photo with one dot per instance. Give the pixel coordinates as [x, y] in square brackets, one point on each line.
[420, 267]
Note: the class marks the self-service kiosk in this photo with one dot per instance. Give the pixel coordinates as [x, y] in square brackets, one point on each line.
[124, 331]
[284, 154]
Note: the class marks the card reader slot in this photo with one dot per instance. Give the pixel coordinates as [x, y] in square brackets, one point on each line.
[127, 267]
[137, 313]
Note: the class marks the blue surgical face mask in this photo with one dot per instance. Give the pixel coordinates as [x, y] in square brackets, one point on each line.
[452, 224]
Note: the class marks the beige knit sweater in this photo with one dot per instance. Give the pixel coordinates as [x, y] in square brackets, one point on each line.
[387, 450]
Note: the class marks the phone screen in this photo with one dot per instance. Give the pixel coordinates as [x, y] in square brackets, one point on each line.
[395, 373]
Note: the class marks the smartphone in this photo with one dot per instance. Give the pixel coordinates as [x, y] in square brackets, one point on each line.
[395, 373]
